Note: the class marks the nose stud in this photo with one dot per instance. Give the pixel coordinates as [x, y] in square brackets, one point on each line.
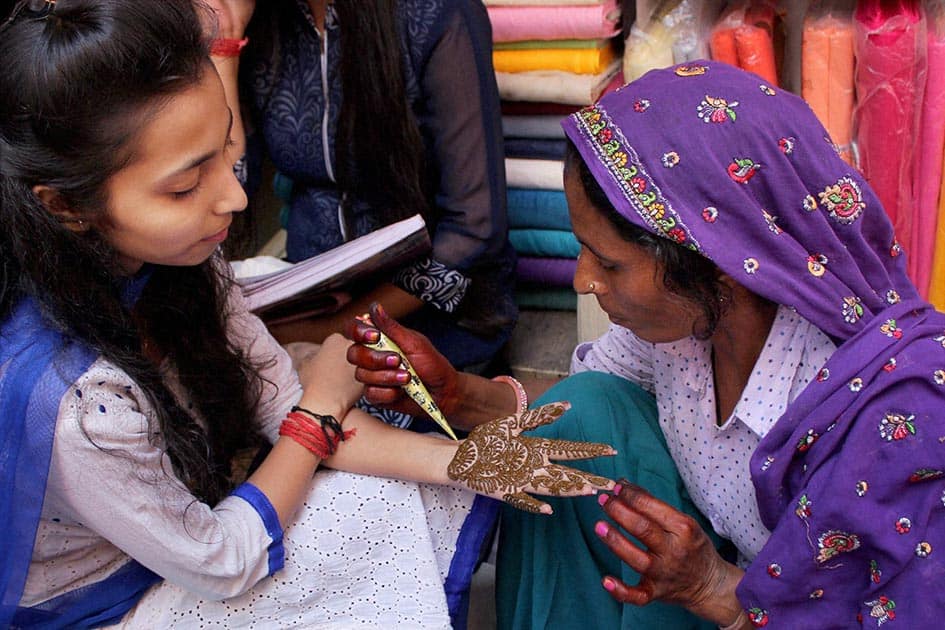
[591, 287]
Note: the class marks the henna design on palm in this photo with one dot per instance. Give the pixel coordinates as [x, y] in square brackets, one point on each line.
[497, 461]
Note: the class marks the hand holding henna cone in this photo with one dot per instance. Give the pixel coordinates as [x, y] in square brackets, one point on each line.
[414, 387]
[495, 460]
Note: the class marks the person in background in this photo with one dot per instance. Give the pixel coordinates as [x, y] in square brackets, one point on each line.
[767, 353]
[131, 374]
[377, 111]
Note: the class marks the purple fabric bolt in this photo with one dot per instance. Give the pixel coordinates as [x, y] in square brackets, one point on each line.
[850, 480]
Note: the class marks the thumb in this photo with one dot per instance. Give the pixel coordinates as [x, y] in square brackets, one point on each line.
[390, 326]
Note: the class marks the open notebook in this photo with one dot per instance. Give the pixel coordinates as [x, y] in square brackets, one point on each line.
[276, 288]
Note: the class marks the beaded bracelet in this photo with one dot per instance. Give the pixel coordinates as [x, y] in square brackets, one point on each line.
[520, 394]
[225, 47]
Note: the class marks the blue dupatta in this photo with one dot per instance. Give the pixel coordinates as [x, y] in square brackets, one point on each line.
[37, 365]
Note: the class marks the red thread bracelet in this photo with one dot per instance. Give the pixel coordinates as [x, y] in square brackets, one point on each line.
[225, 47]
[312, 434]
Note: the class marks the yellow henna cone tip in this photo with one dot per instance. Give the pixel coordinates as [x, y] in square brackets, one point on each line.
[414, 387]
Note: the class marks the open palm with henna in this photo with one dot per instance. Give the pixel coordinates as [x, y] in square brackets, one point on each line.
[497, 461]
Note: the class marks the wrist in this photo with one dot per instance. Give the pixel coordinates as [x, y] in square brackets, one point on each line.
[719, 603]
[227, 46]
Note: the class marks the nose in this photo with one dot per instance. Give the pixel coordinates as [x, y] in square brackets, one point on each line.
[582, 277]
[232, 197]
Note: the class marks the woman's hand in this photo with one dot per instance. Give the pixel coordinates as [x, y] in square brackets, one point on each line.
[328, 378]
[679, 565]
[231, 17]
[495, 460]
[382, 373]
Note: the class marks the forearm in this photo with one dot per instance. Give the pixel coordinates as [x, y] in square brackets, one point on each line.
[286, 473]
[395, 300]
[228, 69]
[480, 400]
[385, 451]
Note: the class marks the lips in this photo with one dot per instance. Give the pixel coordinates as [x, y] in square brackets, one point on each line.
[219, 237]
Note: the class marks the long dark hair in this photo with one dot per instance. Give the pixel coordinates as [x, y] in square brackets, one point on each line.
[379, 149]
[686, 273]
[77, 84]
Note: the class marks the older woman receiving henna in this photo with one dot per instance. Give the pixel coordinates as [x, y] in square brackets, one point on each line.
[757, 291]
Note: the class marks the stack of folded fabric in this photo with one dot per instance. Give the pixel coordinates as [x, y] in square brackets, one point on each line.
[745, 37]
[665, 32]
[551, 58]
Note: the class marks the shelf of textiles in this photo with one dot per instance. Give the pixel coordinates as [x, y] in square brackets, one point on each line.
[551, 58]
[872, 70]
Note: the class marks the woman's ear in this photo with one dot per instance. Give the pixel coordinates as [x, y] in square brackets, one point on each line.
[59, 208]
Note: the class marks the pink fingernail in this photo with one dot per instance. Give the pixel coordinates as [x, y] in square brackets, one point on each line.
[601, 529]
[602, 499]
[392, 360]
[403, 377]
[617, 488]
[609, 585]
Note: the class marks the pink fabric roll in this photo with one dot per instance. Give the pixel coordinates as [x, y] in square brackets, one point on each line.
[929, 171]
[890, 51]
[520, 23]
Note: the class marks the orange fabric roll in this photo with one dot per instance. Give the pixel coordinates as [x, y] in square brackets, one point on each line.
[815, 62]
[756, 52]
[722, 46]
[841, 92]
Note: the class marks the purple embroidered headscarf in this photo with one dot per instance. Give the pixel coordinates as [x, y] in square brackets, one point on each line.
[850, 480]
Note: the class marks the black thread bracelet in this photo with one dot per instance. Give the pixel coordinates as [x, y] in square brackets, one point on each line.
[327, 421]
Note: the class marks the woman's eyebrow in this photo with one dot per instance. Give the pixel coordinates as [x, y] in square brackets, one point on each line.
[197, 161]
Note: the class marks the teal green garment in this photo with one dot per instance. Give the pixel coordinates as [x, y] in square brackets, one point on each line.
[546, 243]
[550, 567]
[546, 298]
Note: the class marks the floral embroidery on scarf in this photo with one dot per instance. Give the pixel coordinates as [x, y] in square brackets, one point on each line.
[809, 204]
[691, 71]
[767, 90]
[772, 222]
[817, 265]
[758, 617]
[835, 542]
[923, 549]
[768, 461]
[856, 384]
[926, 474]
[890, 364]
[875, 573]
[670, 159]
[892, 297]
[641, 105]
[774, 570]
[903, 525]
[640, 190]
[882, 609]
[890, 329]
[817, 593]
[710, 214]
[862, 487]
[786, 145]
[895, 249]
[938, 376]
[844, 200]
[896, 426]
[940, 339]
[807, 440]
[742, 169]
[803, 509]
[852, 309]
[823, 375]
[716, 110]
[751, 265]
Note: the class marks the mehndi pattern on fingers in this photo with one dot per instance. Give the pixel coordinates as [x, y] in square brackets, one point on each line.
[495, 460]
